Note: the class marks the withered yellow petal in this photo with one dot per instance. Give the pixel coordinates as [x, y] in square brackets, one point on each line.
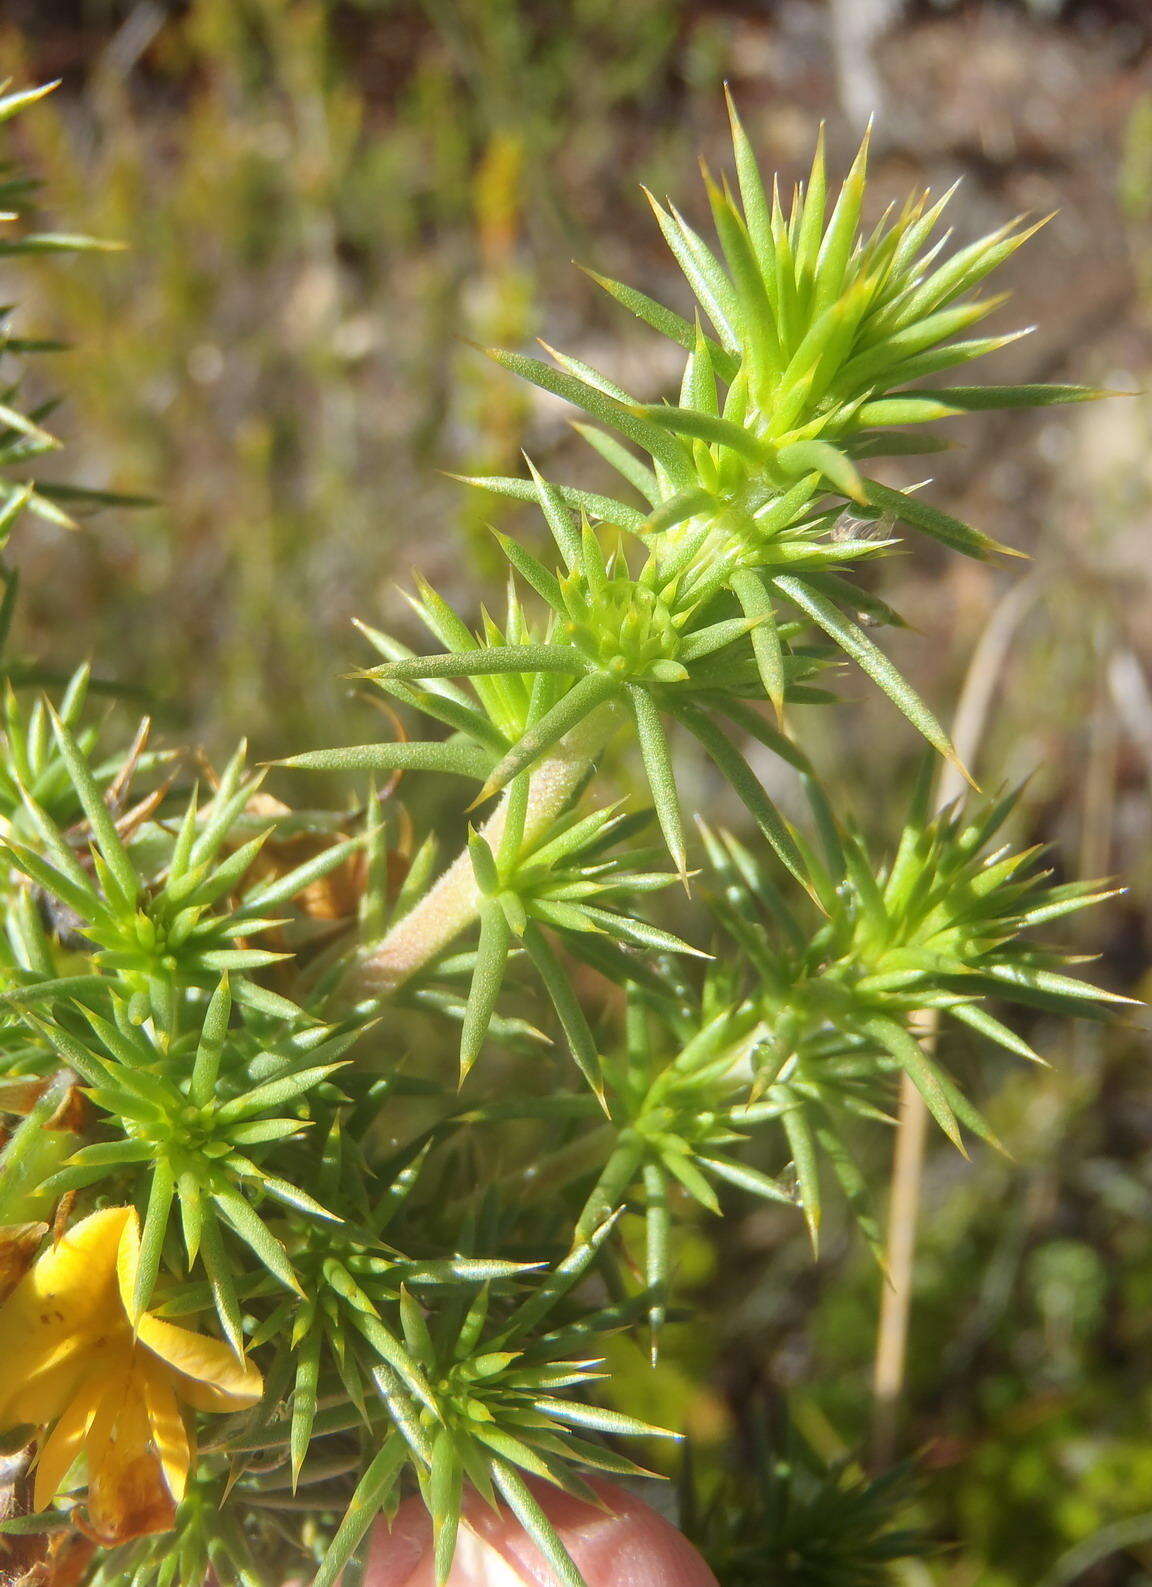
[71, 1357]
[61, 1311]
[210, 1376]
[127, 1493]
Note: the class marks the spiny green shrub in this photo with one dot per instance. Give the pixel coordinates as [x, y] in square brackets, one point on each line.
[320, 1151]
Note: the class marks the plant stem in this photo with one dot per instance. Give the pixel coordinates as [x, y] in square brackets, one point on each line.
[900, 1255]
[452, 902]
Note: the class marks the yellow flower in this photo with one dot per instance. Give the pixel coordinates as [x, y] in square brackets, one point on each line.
[71, 1360]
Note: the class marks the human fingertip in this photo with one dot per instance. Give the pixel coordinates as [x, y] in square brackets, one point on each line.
[620, 1542]
[632, 1545]
[400, 1550]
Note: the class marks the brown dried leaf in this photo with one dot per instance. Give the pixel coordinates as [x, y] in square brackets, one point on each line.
[19, 1243]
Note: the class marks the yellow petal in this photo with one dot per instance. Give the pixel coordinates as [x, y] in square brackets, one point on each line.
[63, 1446]
[128, 1259]
[206, 1372]
[127, 1494]
[40, 1396]
[64, 1308]
[169, 1434]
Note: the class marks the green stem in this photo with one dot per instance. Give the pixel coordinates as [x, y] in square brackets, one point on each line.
[613, 1185]
[453, 901]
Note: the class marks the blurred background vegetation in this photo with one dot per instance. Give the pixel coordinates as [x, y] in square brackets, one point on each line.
[324, 202]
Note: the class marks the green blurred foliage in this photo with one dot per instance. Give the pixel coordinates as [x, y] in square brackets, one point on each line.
[323, 204]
